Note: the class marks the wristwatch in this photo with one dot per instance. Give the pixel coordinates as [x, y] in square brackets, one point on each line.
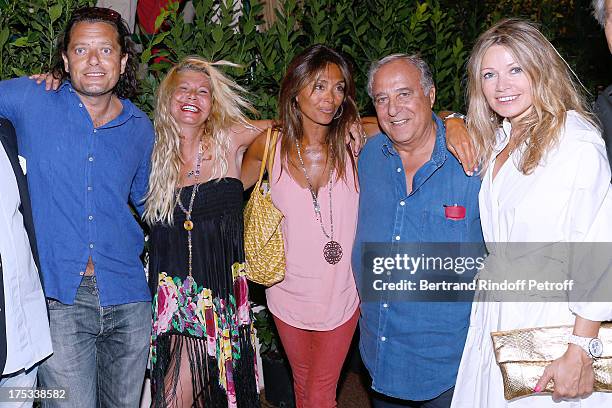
[592, 346]
[455, 115]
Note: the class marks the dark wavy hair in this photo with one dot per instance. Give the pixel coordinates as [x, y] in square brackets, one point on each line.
[127, 86]
[302, 72]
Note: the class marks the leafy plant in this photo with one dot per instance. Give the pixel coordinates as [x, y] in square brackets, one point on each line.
[267, 334]
[364, 31]
[442, 31]
[28, 31]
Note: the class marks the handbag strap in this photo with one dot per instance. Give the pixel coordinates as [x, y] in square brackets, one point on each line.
[270, 150]
[265, 157]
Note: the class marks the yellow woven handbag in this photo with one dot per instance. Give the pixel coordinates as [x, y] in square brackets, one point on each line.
[263, 240]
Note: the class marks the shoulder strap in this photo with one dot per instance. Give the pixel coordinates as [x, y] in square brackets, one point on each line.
[265, 156]
[272, 151]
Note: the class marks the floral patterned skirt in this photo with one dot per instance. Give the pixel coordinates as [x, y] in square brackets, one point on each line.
[213, 333]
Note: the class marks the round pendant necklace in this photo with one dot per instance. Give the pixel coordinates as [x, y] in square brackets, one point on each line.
[188, 224]
[332, 251]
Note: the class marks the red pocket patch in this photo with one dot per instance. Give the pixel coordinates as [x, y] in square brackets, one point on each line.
[454, 212]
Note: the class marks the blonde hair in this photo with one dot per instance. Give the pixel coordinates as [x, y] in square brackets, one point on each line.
[554, 92]
[227, 110]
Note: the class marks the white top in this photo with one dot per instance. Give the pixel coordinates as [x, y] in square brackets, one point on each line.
[28, 339]
[314, 295]
[567, 198]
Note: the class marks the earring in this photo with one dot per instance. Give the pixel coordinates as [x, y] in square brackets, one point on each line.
[338, 115]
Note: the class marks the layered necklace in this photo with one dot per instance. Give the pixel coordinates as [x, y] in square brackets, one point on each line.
[188, 224]
[196, 172]
[332, 251]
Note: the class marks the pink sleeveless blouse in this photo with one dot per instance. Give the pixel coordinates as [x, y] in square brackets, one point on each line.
[314, 295]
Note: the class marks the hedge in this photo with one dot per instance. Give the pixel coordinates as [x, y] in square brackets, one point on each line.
[363, 30]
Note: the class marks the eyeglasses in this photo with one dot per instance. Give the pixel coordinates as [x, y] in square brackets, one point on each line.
[97, 13]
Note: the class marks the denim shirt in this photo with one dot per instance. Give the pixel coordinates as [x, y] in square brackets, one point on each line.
[412, 349]
[81, 181]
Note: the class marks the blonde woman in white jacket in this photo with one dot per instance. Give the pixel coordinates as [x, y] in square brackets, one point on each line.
[545, 180]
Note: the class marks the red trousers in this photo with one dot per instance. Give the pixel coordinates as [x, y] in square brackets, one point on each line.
[316, 358]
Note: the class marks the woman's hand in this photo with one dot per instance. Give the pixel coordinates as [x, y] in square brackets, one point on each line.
[51, 82]
[459, 143]
[356, 137]
[572, 375]
[360, 131]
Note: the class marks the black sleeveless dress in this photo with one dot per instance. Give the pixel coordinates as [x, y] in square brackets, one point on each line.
[205, 317]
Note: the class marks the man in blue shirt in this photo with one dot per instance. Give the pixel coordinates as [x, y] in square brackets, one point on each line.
[88, 151]
[412, 190]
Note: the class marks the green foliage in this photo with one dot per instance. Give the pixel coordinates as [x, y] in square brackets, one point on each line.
[440, 30]
[364, 31]
[568, 24]
[267, 334]
[28, 31]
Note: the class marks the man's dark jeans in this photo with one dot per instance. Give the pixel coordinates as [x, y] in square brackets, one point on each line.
[441, 401]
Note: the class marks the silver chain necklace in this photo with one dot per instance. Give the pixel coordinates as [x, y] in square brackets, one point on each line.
[332, 251]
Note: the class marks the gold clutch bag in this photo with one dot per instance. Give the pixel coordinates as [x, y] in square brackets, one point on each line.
[523, 354]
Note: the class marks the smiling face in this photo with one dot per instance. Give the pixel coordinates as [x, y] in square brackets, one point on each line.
[320, 99]
[505, 85]
[93, 58]
[402, 108]
[191, 100]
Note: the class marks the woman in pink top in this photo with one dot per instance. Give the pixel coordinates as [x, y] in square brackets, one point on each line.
[314, 183]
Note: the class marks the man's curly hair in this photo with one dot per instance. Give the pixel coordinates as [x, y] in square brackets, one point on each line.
[127, 86]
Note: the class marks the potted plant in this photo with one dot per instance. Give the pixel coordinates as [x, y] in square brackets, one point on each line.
[277, 374]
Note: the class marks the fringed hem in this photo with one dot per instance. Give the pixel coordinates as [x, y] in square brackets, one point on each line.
[171, 384]
[202, 344]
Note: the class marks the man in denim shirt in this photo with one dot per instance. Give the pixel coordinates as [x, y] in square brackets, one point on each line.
[407, 179]
[88, 151]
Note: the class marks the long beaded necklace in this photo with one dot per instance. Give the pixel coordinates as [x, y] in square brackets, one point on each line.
[196, 172]
[332, 251]
[188, 224]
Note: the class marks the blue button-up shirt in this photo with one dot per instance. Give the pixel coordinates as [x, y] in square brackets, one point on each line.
[81, 180]
[412, 349]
